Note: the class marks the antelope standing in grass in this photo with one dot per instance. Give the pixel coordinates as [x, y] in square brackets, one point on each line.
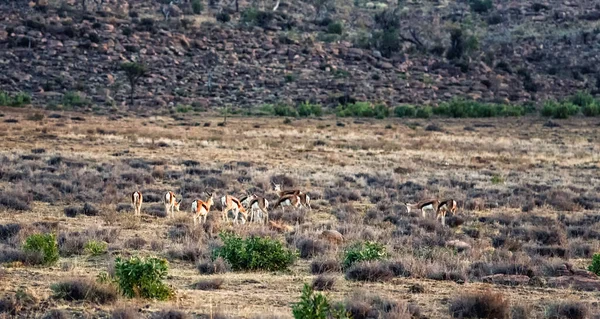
[304, 198]
[171, 203]
[231, 203]
[259, 206]
[445, 206]
[428, 204]
[287, 200]
[200, 209]
[136, 202]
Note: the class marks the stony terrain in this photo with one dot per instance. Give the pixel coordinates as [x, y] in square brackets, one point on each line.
[524, 235]
[519, 51]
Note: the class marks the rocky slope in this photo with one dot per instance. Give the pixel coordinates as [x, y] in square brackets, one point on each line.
[527, 51]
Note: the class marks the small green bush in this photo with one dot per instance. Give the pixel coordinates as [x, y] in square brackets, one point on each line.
[424, 112]
[335, 27]
[405, 111]
[582, 99]
[45, 244]
[143, 277]
[197, 6]
[381, 111]
[481, 6]
[18, 100]
[223, 17]
[74, 99]
[284, 110]
[559, 110]
[254, 253]
[363, 251]
[360, 109]
[592, 109]
[257, 17]
[497, 179]
[595, 266]
[307, 109]
[181, 108]
[316, 306]
[96, 248]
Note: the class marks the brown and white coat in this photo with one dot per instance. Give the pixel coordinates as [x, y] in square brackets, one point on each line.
[200, 209]
[136, 202]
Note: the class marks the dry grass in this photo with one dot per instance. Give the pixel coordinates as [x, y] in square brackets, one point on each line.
[540, 217]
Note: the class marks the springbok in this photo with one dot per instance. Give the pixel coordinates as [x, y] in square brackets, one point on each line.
[428, 204]
[445, 206]
[230, 203]
[259, 206]
[171, 203]
[136, 202]
[280, 192]
[287, 200]
[200, 209]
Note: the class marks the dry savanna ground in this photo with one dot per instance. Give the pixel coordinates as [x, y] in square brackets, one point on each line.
[525, 232]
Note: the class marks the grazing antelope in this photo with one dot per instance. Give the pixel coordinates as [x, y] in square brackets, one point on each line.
[231, 203]
[136, 201]
[305, 200]
[246, 200]
[200, 209]
[428, 204]
[287, 200]
[259, 206]
[171, 203]
[444, 207]
[281, 193]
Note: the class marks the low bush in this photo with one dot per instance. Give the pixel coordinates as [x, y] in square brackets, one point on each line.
[335, 27]
[15, 201]
[136, 243]
[324, 266]
[316, 306]
[197, 6]
[45, 244]
[370, 271]
[405, 111]
[362, 305]
[481, 6]
[254, 253]
[568, 309]
[307, 109]
[125, 313]
[595, 266]
[17, 100]
[310, 247]
[323, 282]
[209, 284]
[217, 266]
[480, 305]
[461, 108]
[27, 258]
[96, 248]
[363, 251]
[559, 110]
[170, 314]
[143, 277]
[362, 109]
[81, 289]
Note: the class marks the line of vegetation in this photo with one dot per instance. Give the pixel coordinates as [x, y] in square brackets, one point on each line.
[19, 99]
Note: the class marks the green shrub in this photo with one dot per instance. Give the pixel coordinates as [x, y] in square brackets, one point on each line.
[307, 109]
[316, 306]
[197, 6]
[497, 179]
[18, 100]
[284, 110]
[254, 253]
[143, 277]
[335, 27]
[45, 244]
[461, 108]
[559, 110]
[481, 6]
[74, 99]
[363, 251]
[582, 99]
[223, 17]
[424, 112]
[405, 111]
[96, 248]
[595, 266]
[361, 109]
[592, 109]
[181, 108]
[256, 17]
[381, 111]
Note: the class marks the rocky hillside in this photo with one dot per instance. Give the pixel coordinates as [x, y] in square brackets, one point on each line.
[513, 51]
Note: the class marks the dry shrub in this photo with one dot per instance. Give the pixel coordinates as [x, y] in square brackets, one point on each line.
[480, 269]
[181, 232]
[135, 243]
[561, 200]
[581, 249]
[83, 289]
[157, 245]
[521, 312]
[217, 266]
[8, 231]
[370, 271]
[170, 314]
[15, 200]
[325, 265]
[547, 251]
[362, 305]
[55, 314]
[485, 304]
[323, 282]
[290, 216]
[187, 252]
[568, 310]
[550, 235]
[31, 258]
[284, 180]
[310, 247]
[125, 313]
[72, 211]
[209, 284]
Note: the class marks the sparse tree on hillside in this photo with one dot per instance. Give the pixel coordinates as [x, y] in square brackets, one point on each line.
[134, 72]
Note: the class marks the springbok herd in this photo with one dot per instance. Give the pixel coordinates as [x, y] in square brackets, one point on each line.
[258, 206]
